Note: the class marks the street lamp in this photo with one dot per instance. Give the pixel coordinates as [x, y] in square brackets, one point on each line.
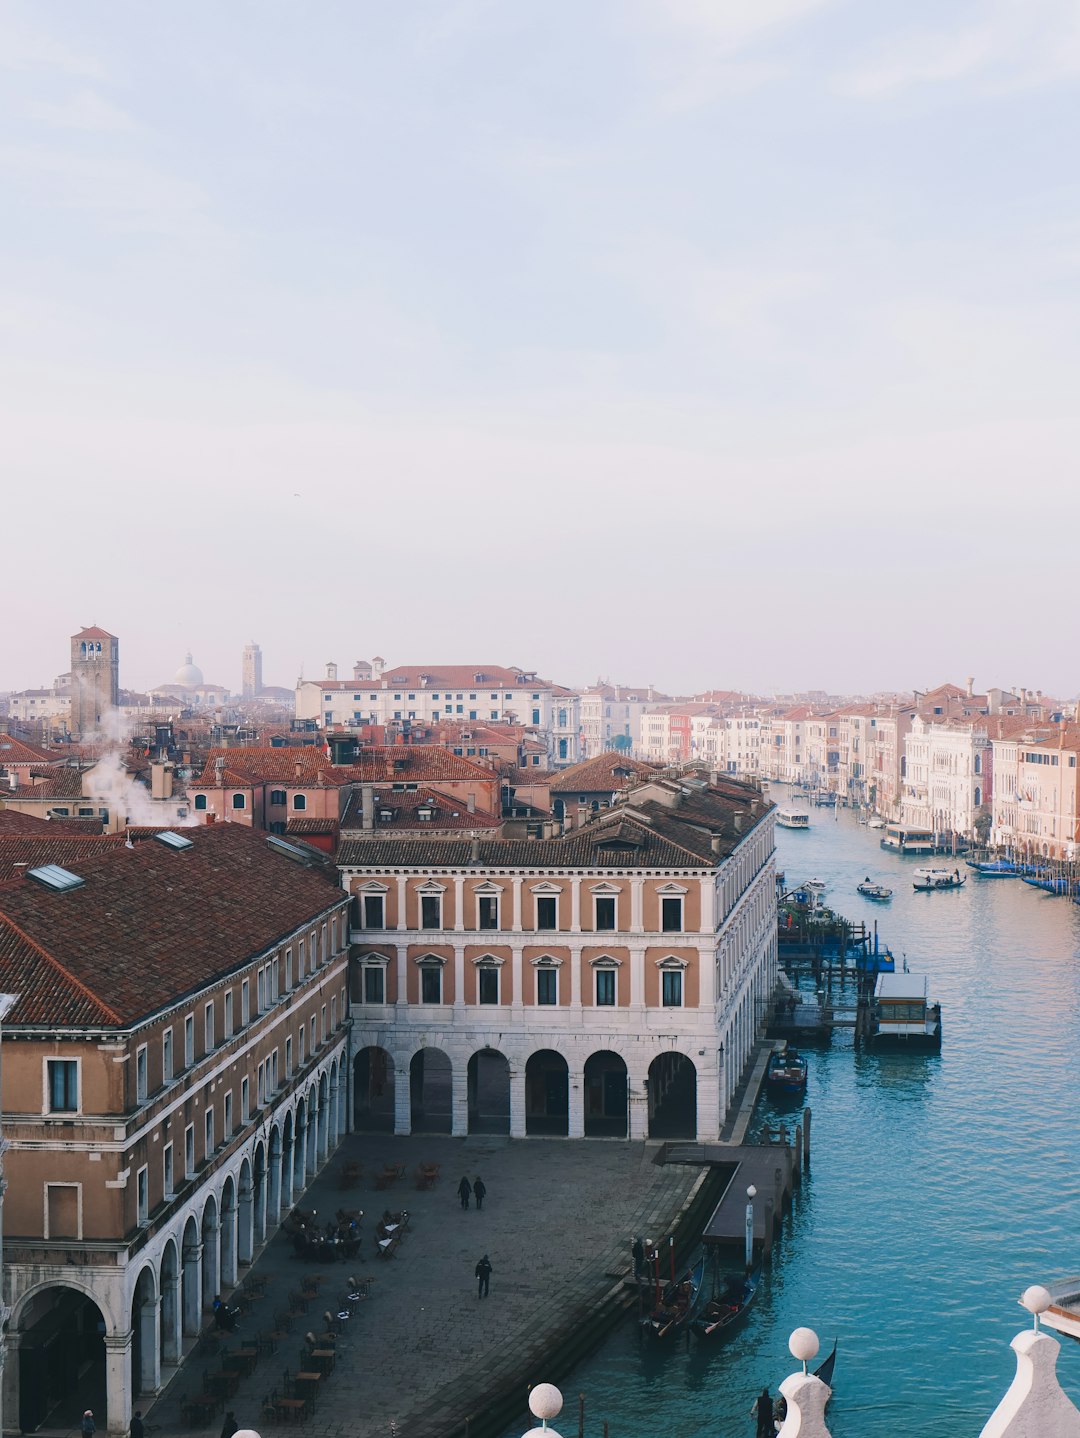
[751, 1194]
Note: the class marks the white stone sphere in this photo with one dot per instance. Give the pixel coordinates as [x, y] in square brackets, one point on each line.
[542, 1433]
[1036, 1299]
[245, 1433]
[803, 1344]
[545, 1401]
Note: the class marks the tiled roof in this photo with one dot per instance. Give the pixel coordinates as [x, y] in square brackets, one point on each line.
[448, 812]
[646, 835]
[21, 852]
[598, 775]
[303, 826]
[269, 764]
[412, 764]
[59, 784]
[529, 775]
[93, 633]
[15, 751]
[150, 925]
[442, 676]
[30, 826]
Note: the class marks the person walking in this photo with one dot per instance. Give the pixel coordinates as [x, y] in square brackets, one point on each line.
[137, 1428]
[764, 1407]
[89, 1427]
[479, 1191]
[483, 1277]
[637, 1253]
[464, 1189]
[230, 1426]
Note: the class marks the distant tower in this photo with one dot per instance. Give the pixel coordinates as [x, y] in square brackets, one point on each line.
[95, 679]
[252, 672]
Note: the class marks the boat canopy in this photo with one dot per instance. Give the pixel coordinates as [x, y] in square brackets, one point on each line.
[901, 988]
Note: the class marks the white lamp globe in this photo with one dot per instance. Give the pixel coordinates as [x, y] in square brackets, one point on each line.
[803, 1344]
[545, 1401]
[1036, 1299]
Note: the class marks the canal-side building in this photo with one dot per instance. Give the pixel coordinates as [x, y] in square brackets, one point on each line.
[608, 982]
[174, 1069]
[1036, 796]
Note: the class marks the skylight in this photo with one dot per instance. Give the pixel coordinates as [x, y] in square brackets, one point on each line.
[172, 840]
[52, 876]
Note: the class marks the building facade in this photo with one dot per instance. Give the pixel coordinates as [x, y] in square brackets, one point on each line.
[174, 1073]
[95, 680]
[610, 982]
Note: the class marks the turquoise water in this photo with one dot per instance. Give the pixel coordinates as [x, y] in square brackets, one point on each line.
[941, 1186]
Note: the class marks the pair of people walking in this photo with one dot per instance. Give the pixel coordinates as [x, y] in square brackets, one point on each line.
[467, 1190]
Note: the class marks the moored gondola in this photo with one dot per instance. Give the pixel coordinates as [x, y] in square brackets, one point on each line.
[733, 1296]
[676, 1304]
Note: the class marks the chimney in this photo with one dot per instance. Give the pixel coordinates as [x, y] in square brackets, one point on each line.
[471, 805]
[715, 843]
[298, 769]
[971, 686]
[367, 807]
[738, 823]
[474, 849]
[211, 818]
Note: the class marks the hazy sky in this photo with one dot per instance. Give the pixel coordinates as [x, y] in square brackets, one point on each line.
[697, 342]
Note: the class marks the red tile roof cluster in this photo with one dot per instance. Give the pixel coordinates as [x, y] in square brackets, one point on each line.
[264, 765]
[150, 925]
[602, 775]
[16, 751]
[450, 676]
[53, 784]
[21, 852]
[14, 824]
[403, 806]
[413, 764]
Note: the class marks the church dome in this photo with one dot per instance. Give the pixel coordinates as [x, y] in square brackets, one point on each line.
[188, 673]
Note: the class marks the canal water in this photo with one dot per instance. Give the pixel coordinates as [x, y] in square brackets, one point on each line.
[941, 1186]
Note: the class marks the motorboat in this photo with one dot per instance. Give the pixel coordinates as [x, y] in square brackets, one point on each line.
[874, 891]
[786, 1072]
[875, 822]
[929, 880]
[793, 818]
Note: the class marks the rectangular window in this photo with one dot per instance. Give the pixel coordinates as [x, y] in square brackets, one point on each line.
[227, 1123]
[300, 1047]
[245, 1003]
[300, 960]
[63, 1210]
[322, 1024]
[189, 1041]
[142, 1195]
[374, 985]
[547, 912]
[208, 1135]
[431, 911]
[671, 915]
[430, 984]
[333, 1011]
[227, 1003]
[208, 1027]
[288, 1058]
[547, 986]
[63, 1081]
[189, 1150]
[275, 980]
[605, 912]
[140, 1073]
[605, 988]
[489, 985]
[488, 912]
[288, 968]
[313, 1043]
[245, 1100]
[167, 1177]
[373, 911]
[672, 990]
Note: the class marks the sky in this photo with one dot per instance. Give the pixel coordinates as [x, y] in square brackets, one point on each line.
[719, 343]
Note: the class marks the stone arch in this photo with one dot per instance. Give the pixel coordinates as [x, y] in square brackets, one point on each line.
[287, 1162]
[606, 1095]
[672, 1096]
[61, 1358]
[373, 1089]
[258, 1190]
[228, 1261]
[169, 1286]
[145, 1340]
[547, 1094]
[323, 1145]
[489, 1092]
[191, 1270]
[273, 1196]
[314, 1119]
[245, 1206]
[430, 1082]
[211, 1257]
[299, 1145]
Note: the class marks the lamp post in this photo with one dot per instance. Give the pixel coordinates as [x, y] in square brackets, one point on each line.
[751, 1194]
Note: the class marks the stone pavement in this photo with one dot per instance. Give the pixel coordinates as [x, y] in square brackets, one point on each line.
[422, 1351]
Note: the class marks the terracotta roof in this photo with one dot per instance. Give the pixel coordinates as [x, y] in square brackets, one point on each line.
[12, 823]
[15, 751]
[412, 764]
[601, 774]
[150, 925]
[527, 775]
[58, 784]
[447, 812]
[303, 826]
[646, 835]
[441, 676]
[260, 765]
[21, 852]
[93, 633]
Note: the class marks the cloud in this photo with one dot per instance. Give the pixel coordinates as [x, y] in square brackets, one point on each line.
[23, 48]
[84, 110]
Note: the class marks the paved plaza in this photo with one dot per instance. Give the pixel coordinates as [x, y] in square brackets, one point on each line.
[421, 1351]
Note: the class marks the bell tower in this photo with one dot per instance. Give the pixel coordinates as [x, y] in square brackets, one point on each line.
[95, 679]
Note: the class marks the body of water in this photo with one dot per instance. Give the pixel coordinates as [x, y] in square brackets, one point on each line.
[941, 1185]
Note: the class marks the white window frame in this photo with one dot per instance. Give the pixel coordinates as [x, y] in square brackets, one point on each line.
[227, 1014]
[168, 1171]
[608, 964]
[605, 891]
[289, 1057]
[142, 1196]
[546, 963]
[189, 1041]
[168, 1071]
[673, 964]
[245, 1003]
[245, 1100]
[546, 891]
[47, 1107]
[373, 961]
[484, 963]
[142, 1073]
[228, 1117]
[189, 1151]
[209, 1034]
[492, 893]
[428, 895]
[209, 1137]
[288, 969]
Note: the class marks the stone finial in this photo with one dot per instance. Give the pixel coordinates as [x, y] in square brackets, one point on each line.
[803, 1345]
[1036, 1300]
[545, 1401]
[1035, 1404]
[806, 1397]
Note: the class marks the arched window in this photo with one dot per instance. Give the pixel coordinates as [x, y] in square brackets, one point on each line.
[200, 801]
[978, 766]
[299, 801]
[978, 796]
[238, 801]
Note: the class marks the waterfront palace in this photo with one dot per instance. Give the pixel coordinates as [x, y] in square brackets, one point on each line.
[607, 982]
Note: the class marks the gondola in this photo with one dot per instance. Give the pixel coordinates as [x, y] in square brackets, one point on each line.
[825, 1371]
[676, 1304]
[729, 1304]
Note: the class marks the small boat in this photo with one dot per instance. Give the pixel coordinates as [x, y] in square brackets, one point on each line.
[995, 869]
[928, 880]
[874, 891]
[1051, 884]
[816, 886]
[793, 818]
[825, 1370]
[786, 1072]
[875, 823]
[731, 1301]
[676, 1304]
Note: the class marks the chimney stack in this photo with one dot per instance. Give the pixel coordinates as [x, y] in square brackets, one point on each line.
[471, 805]
[367, 807]
[474, 849]
[971, 687]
